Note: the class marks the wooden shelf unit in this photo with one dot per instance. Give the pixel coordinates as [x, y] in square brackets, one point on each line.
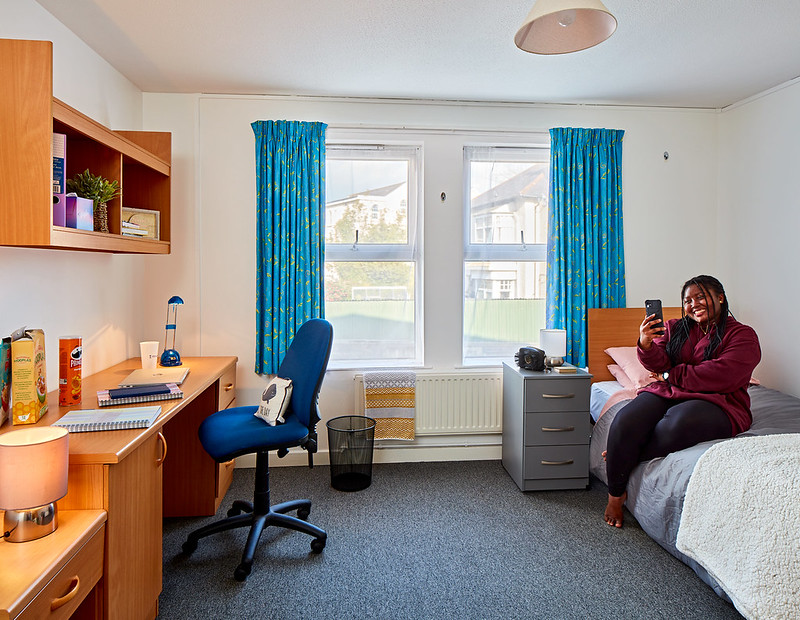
[140, 161]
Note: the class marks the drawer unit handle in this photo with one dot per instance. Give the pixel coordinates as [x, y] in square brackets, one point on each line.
[569, 462]
[558, 395]
[228, 387]
[566, 429]
[163, 441]
[74, 586]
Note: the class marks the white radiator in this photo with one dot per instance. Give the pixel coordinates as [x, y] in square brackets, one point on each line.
[452, 403]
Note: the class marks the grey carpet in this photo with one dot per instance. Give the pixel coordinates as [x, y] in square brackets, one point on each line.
[433, 540]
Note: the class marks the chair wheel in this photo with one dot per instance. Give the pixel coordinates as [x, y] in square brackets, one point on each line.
[189, 546]
[317, 545]
[302, 513]
[233, 512]
[241, 572]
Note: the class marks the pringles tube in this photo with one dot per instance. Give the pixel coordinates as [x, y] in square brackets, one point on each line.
[70, 361]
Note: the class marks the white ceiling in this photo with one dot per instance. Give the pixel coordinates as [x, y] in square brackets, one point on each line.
[686, 53]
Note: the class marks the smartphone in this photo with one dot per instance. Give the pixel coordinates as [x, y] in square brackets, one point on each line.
[653, 306]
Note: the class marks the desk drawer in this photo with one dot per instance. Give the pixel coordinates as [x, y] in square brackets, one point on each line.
[227, 389]
[556, 429]
[557, 395]
[557, 462]
[71, 584]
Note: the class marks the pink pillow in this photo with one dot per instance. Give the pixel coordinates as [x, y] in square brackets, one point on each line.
[619, 374]
[626, 358]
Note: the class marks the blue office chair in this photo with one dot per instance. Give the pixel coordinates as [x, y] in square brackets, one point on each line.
[234, 432]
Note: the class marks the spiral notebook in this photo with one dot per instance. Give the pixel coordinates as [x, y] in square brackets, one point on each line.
[84, 420]
[138, 394]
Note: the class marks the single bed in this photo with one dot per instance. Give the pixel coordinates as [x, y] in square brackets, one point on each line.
[657, 489]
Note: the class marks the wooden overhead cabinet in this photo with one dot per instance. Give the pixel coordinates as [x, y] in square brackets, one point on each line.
[140, 161]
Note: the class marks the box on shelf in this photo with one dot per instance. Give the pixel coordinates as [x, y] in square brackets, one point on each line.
[28, 378]
[59, 210]
[5, 378]
[59, 178]
[80, 213]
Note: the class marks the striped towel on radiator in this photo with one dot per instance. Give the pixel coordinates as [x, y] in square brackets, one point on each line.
[390, 399]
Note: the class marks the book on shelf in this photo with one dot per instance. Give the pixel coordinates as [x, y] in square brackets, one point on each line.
[138, 394]
[85, 420]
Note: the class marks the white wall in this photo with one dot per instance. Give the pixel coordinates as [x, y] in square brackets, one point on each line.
[659, 197]
[759, 219]
[65, 292]
[742, 160]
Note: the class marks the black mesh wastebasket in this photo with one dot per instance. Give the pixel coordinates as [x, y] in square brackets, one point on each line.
[350, 440]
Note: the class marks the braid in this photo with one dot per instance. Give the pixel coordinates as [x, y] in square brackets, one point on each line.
[680, 333]
[678, 337]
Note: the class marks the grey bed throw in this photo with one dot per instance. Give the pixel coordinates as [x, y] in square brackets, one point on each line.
[657, 488]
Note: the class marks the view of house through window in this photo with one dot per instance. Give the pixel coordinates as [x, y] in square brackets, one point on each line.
[505, 246]
[371, 258]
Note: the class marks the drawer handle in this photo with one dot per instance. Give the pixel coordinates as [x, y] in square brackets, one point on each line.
[163, 441]
[558, 395]
[566, 429]
[74, 586]
[569, 462]
[228, 387]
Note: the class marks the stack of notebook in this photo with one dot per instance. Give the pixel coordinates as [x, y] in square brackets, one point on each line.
[138, 394]
[85, 420]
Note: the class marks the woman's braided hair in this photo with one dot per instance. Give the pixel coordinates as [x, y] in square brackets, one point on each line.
[680, 331]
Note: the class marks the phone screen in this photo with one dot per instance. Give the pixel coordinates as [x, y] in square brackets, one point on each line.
[653, 306]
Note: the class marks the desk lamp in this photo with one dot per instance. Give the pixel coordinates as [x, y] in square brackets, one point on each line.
[33, 475]
[170, 357]
[554, 343]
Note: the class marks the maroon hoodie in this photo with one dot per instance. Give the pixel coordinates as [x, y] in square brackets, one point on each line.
[722, 380]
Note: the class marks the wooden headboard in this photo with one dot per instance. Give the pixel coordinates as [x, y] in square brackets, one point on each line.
[614, 327]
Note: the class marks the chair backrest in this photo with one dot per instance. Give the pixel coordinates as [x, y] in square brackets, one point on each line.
[304, 363]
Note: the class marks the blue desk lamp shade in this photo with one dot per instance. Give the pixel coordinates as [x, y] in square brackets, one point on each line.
[170, 357]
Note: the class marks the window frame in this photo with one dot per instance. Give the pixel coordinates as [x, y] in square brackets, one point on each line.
[409, 252]
[518, 252]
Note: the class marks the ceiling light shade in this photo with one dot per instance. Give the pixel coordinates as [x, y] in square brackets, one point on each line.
[563, 26]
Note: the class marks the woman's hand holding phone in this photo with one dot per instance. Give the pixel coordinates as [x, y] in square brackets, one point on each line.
[653, 324]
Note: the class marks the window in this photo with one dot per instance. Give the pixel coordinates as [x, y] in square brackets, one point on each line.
[372, 266]
[505, 249]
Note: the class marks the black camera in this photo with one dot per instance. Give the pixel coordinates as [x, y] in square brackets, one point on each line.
[530, 358]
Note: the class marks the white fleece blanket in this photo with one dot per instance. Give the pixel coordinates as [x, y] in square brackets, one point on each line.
[741, 522]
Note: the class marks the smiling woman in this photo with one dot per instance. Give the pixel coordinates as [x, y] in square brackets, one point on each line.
[702, 364]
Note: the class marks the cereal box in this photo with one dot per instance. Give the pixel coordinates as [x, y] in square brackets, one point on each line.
[28, 378]
[5, 378]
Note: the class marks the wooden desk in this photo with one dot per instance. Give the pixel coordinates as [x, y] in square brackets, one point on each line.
[125, 473]
[50, 577]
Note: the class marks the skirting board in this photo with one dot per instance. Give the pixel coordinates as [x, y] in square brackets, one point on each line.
[399, 454]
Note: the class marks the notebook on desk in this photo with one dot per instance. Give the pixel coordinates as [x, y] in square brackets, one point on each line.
[148, 376]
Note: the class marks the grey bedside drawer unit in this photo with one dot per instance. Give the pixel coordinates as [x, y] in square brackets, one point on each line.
[546, 428]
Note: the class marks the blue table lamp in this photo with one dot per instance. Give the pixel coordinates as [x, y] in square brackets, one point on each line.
[170, 357]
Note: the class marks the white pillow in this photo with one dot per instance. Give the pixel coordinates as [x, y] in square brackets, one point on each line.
[274, 401]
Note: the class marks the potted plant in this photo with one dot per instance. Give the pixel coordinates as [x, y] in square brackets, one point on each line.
[97, 189]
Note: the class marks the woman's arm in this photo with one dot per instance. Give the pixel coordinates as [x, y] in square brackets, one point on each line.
[730, 368]
[651, 348]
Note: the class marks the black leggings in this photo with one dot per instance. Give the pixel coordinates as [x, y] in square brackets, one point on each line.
[651, 426]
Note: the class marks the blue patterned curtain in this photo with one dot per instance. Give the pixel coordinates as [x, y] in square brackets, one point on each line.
[585, 253]
[290, 234]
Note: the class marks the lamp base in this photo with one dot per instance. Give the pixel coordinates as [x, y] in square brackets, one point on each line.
[552, 362]
[170, 357]
[30, 524]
